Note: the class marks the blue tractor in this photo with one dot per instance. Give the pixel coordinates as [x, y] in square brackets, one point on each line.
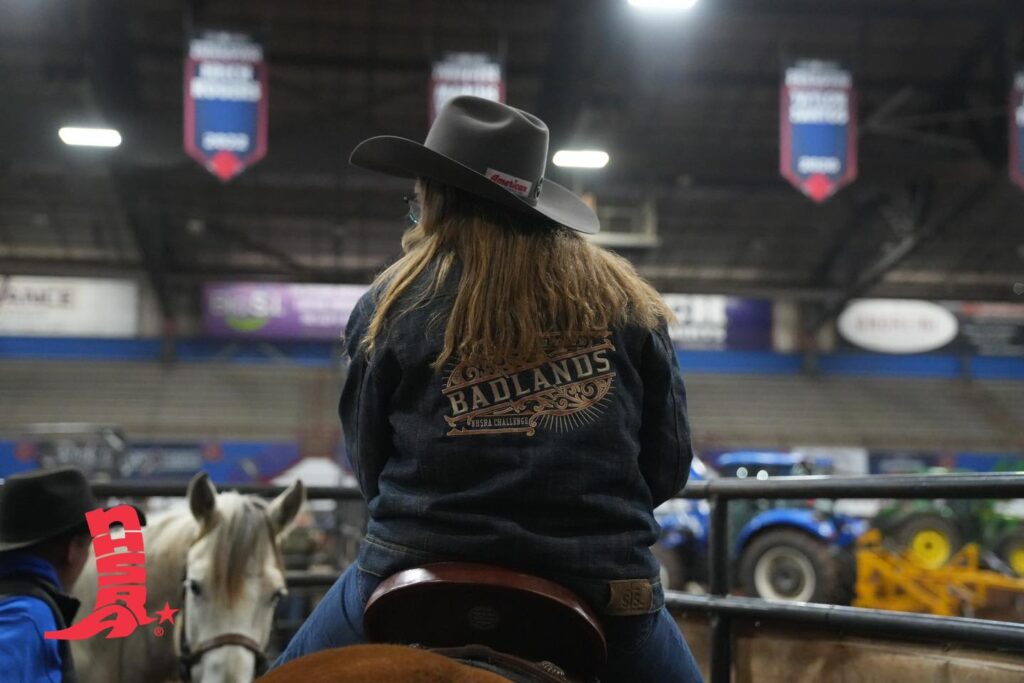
[781, 549]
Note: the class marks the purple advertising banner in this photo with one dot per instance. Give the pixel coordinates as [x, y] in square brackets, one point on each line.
[818, 128]
[711, 322]
[270, 310]
[1017, 130]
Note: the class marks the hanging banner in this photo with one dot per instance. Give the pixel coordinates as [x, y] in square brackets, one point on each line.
[1017, 130]
[225, 103]
[818, 122]
[270, 310]
[465, 73]
[714, 322]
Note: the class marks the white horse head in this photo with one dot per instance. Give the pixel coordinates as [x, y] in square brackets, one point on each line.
[234, 578]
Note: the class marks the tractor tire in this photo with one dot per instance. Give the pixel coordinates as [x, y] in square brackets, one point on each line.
[673, 573]
[928, 539]
[1011, 551]
[786, 564]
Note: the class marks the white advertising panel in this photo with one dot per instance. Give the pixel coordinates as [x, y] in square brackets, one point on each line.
[897, 325]
[68, 307]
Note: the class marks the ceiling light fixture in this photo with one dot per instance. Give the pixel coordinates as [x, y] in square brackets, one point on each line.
[663, 4]
[580, 158]
[89, 137]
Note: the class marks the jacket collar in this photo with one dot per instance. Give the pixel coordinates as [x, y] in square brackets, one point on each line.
[21, 565]
[14, 563]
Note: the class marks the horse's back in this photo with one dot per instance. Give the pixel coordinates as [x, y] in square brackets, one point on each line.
[360, 663]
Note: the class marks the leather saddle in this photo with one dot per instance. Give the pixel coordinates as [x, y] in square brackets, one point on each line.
[484, 614]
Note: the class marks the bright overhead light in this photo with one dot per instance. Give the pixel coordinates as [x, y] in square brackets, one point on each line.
[663, 4]
[581, 158]
[89, 137]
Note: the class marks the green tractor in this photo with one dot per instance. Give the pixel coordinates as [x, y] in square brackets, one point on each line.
[931, 532]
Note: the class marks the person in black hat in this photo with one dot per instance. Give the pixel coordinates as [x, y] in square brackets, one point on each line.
[44, 544]
[512, 397]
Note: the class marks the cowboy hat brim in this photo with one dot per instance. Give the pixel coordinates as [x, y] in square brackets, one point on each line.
[81, 525]
[397, 156]
[17, 545]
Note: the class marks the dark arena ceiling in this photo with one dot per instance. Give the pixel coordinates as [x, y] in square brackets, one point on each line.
[686, 106]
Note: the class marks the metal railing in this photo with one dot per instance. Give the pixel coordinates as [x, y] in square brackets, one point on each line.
[133, 489]
[724, 608]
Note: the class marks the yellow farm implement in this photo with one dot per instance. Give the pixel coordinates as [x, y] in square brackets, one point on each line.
[892, 581]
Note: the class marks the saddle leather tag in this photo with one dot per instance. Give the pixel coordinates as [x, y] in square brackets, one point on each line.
[630, 597]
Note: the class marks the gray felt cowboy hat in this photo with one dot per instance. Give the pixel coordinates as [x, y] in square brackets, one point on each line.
[488, 149]
[36, 506]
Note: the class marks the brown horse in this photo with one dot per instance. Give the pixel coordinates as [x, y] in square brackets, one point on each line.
[361, 663]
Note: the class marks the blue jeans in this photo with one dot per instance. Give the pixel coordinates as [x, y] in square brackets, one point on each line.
[644, 649]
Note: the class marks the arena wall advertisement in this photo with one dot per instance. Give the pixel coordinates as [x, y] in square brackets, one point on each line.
[818, 121]
[716, 323]
[225, 103]
[908, 326]
[268, 310]
[320, 312]
[465, 73]
[68, 307]
[226, 461]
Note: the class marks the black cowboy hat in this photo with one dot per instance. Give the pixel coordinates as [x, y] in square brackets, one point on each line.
[44, 504]
[487, 149]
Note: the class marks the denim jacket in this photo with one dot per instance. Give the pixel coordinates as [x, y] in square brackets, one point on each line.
[552, 468]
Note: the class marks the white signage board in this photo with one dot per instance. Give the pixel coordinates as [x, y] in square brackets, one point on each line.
[897, 325]
[68, 307]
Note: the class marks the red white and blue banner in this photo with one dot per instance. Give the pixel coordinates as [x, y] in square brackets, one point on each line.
[465, 73]
[1017, 130]
[818, 126]
[225, 103]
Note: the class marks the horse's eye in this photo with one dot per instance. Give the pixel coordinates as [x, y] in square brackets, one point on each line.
[194, 587]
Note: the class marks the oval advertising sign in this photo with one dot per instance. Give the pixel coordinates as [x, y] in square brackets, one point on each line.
[897, 325]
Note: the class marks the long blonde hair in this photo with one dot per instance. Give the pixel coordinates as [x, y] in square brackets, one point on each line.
[524, 281]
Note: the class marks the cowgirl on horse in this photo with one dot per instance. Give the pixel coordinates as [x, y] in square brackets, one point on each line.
[512, 396]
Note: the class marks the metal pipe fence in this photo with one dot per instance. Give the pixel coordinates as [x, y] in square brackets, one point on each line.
[724, 608]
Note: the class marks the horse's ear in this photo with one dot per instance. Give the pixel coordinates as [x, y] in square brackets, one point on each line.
[202, 497]
[282, 510]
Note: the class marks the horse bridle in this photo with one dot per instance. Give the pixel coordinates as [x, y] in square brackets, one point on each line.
[189, 656]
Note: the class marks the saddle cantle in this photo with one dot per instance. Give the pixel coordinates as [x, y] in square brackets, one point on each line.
[453, 604]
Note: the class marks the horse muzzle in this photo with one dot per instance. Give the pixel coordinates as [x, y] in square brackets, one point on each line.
[190, 657]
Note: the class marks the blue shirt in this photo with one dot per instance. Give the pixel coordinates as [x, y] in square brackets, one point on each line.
[25, 655]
